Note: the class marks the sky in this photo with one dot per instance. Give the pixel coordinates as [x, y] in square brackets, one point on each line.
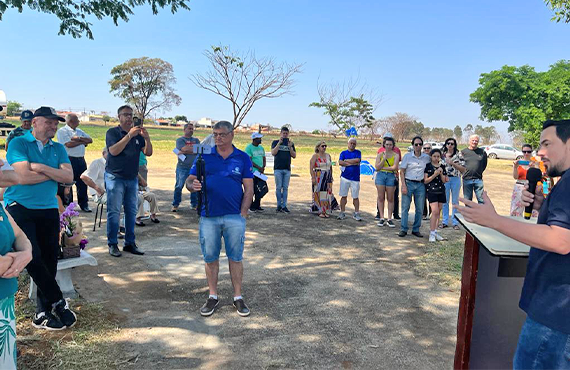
[423, 57]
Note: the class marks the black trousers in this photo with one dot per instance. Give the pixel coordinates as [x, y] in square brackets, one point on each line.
[256, 199]
[41, 226]
[79, 166]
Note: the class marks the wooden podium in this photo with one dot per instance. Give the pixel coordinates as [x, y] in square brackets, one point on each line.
[489, 319]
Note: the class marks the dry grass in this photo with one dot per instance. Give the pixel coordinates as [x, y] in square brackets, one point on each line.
[88, 346]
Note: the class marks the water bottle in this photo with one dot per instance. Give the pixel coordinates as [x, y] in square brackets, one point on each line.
[545, 186]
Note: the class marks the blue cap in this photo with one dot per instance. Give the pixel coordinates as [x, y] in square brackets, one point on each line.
[26, 115]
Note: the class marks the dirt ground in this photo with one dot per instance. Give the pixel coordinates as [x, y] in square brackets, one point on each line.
[323, 293]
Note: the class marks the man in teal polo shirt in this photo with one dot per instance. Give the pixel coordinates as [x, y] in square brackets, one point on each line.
[41, 164]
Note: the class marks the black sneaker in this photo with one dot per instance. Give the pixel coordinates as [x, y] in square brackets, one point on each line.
[260, 209]
[402, 233]
[417, 234]
[397, 217]
[390, 223]
[45, 320]
[377, 217]
[284, 209]
[278, 209]
[209, 307]
[241, 308]
[65, 315]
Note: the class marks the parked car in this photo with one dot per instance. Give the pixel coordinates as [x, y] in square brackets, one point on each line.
[503, 151]
[434, 145]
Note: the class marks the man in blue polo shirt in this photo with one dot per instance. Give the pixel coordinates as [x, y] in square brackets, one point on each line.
[349, 161]
[229, 190]
[124, 142]
[545, 335]
[41, 164]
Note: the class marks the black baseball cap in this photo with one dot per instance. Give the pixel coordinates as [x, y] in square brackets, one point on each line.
[48, 112]
[26, 115]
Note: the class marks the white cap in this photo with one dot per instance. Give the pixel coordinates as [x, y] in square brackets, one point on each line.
[388, 134]
[256, 135]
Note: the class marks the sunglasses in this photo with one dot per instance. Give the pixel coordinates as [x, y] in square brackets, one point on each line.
[323, 146]
[427, 148]
[527, 151]
[418, 144]
[450, 143]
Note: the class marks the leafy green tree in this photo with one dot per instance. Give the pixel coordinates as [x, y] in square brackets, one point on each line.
[244, 79]
[525, 98]
[180, 118]
[146, 83]
[457, 133]
[12, 107]
[417, 128]
[561, 9]
[75, 15]
[487, 134]
[106, 119]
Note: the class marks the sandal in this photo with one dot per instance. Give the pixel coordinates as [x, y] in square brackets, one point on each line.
[139, 223]
[322, 215]
[443, 226]
[455, 227]
[155, 220]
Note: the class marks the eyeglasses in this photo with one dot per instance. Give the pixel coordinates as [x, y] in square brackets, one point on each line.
[427, 148]
[450, 143]
[222, 135]
[418, 144]
[527, 151]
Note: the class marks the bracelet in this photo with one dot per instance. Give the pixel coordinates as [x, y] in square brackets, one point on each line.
[129, 135]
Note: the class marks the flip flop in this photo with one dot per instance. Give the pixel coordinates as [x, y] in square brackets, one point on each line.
[455, 227]
[321, 215]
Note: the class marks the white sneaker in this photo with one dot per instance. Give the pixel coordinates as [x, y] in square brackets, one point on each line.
[341, 216]
[432, 237]
[439, 238]
[356, 216]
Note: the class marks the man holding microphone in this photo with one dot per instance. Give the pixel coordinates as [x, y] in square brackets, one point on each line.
[544, 338]
[229, 192]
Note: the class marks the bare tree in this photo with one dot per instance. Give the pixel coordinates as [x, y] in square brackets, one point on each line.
[400, 125]
[243, 79]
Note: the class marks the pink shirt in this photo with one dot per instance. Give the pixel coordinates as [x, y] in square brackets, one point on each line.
[396, 149]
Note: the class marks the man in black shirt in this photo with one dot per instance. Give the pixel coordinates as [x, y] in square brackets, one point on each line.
[283, 150]
[544, 338]
[475, 164]
[124, 143]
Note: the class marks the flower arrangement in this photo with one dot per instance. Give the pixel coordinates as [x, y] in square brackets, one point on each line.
[72, 240]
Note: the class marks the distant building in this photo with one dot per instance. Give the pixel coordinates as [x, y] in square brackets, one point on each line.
[163, 122]
[205, 122]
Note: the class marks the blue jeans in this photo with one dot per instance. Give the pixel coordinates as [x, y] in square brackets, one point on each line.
[452, 186]
[181, 176]
[540, 347]
[474, 185]
[282, 178]
[231, 228]
[121, 192]
[418, 191]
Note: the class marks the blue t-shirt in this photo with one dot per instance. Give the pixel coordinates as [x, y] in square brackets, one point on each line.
[40, 195]
[224, 179]
[350, 172]
[545, 295]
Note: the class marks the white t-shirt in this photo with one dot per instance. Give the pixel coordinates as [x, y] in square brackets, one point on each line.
[65, 134]
[96, 172]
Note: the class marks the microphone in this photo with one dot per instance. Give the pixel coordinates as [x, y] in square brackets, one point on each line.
[533, 176]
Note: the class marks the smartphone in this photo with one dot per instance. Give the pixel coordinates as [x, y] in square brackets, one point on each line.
[285, 141]
[524, 163]
[137, 122]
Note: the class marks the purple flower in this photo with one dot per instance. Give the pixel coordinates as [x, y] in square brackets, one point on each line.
[83, 243]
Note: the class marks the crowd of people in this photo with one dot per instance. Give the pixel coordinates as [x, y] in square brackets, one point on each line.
[230, 185]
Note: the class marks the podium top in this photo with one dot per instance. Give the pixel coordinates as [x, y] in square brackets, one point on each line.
[496, 243]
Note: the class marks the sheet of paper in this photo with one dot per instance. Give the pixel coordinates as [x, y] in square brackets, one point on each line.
[6, 166]
[259, 175]
[180, 155]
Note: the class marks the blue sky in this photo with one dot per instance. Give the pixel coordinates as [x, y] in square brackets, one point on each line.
[424, 57]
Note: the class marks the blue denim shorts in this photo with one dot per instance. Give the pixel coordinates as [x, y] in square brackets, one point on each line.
[385, 178]
[231, 228]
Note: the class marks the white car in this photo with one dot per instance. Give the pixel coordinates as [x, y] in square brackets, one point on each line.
[503, 151]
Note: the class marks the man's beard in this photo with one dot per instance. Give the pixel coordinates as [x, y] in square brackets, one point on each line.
[555, 171]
